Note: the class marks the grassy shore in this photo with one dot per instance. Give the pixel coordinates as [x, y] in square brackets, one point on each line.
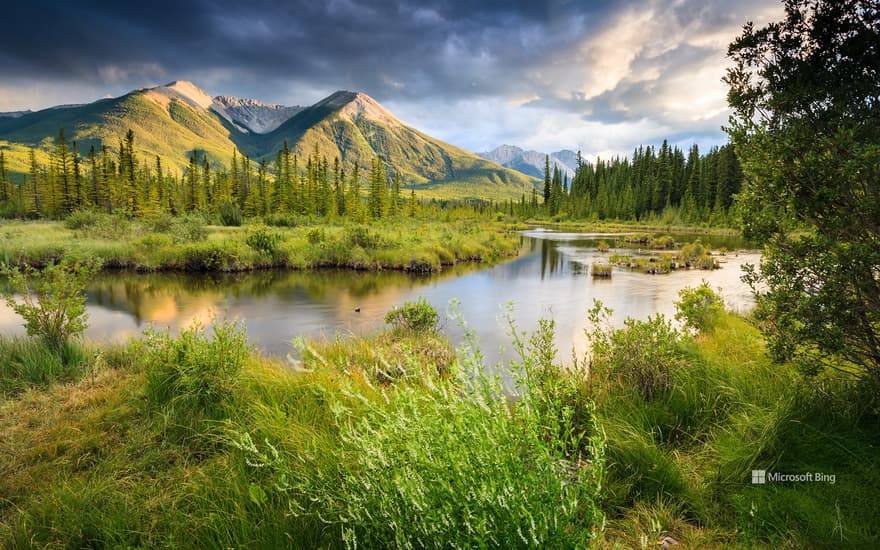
[187, 244]
[615, 227]
[198, 442]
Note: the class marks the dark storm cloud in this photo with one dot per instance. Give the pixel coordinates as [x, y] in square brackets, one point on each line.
[392, 49]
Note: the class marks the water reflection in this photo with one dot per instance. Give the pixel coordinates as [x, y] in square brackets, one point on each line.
[550, 278]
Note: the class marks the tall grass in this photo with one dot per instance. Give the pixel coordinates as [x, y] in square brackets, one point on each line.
[450, 462]
[194, 441]
[725, 410]
[27, 362]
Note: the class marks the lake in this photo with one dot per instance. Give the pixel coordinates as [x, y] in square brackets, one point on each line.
[549, 279]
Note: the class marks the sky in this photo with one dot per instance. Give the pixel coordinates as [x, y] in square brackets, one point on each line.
[601, 77]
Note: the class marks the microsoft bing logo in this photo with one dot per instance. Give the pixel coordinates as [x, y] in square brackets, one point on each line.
[759, 477]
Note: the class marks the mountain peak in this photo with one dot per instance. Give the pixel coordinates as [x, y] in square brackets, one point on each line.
[355, 104]
[531, 163]
[188, 91]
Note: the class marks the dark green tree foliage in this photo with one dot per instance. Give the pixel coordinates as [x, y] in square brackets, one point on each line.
[5, 192]
[547, 182]
[654, 184]
[806, 95]
[118, 183]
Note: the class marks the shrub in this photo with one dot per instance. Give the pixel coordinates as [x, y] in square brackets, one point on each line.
[699, 307]
[194, 376]
[359, 235]
[210, 256]
[600, 270]
[103, 226]
[419, 316]
[155, 241]
[316, 235]
[263, 241]
[81, 219]
[162, 222]
[190, 229]
[230, 214]
[640, 355]
[281, 220]
[662, 242]
[52, 302]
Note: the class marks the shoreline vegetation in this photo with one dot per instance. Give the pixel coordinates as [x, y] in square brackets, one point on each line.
[189, 244]
[195, 440]
[650, 226]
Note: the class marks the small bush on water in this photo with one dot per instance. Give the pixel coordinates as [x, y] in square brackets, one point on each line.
[600, 270]
[418, 316]
[194, 377]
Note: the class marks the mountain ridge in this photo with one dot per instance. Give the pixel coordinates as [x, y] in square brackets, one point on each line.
[180, 119]
[531, 162]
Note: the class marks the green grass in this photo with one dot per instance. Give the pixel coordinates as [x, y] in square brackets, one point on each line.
[680, 463]
[198, 442]
[195, 442]
[401, 244]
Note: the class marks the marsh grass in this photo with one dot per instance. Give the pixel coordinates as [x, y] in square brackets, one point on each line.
[28, 362]
[188, 244]
[600, 270]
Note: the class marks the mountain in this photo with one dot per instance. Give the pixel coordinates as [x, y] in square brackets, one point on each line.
[177, 119]
[252, 115]
[14, 114]
[356, 128]
[531, 163]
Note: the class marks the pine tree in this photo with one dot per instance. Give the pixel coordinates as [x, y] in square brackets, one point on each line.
[5, 195]
[339, 186]
[353, 203]
[395, 204]
[547, 183]
[33, 206]
[207, 187]
[413, 203]
[62, 199]
[191, 183]
[377, 197]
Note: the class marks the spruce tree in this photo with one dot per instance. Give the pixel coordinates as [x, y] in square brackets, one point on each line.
[547, 183]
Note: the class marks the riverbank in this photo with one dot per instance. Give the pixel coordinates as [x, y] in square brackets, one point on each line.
[197, 442]
[633, 226]
[187, 244]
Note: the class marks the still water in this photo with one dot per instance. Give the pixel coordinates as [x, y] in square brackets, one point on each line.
[549, 279]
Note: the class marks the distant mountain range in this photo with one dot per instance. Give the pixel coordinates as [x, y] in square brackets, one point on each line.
[531, 163]
[178, 119]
